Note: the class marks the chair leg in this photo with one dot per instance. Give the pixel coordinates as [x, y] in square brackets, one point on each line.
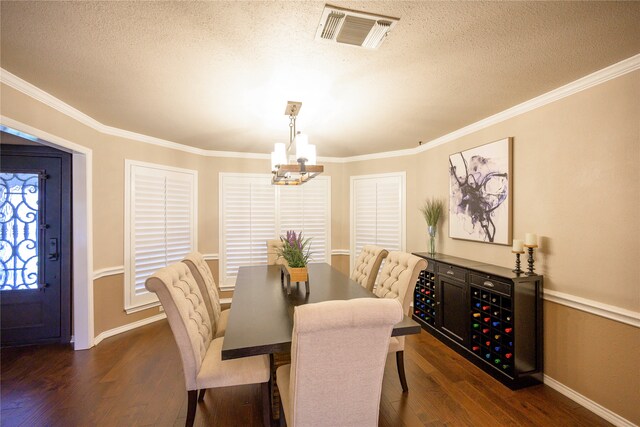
[201, 395]
[400, 364]
[266, 404]
[283, 422]
[191, 408]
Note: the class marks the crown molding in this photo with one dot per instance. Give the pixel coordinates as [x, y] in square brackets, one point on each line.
[601, 76]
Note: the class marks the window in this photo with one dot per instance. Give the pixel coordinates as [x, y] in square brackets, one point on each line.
[377, 212]
[160, 224]
[253, 211]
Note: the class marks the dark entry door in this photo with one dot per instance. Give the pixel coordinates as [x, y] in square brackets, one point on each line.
[35, 244]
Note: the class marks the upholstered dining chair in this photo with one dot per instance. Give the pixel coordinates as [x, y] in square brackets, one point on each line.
[367, 266]
[272, 252]
[200, 352]
[204, 278]
[338, 354]
[397, 281]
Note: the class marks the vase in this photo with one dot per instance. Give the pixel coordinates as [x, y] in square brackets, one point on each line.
[300, 274]
[296, 274]
[432, 239]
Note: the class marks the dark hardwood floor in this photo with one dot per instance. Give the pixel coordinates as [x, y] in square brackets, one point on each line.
[135, 379]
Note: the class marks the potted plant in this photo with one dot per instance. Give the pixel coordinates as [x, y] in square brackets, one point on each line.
[296, 250]
[432, 210]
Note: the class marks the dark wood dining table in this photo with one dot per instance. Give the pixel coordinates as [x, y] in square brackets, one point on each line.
[261, 317]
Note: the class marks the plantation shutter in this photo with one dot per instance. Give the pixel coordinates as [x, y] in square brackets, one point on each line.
[307, 208]
[248, 220]
[160, 226]
[377, 212]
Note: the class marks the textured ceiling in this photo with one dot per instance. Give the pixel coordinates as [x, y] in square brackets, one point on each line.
[217, 75]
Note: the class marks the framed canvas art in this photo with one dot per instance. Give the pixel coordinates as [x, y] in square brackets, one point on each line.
[480, 193]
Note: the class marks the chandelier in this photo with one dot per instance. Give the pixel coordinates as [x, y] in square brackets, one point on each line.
[303, 167]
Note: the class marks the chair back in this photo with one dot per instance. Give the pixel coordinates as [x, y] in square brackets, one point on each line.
[338, 354]
[367, 266]
[204, 278]
[273, 258]
[398, 277]
[180, 296]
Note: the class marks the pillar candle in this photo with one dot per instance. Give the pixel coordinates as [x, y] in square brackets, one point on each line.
[517, 245]
[530, 239]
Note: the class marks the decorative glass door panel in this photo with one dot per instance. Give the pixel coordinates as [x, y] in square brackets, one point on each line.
[35, 244]
[20, 231]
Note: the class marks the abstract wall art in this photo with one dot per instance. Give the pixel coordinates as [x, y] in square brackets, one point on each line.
[480, 193]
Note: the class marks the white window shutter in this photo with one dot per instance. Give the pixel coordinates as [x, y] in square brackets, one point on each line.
[377, 212]
[248, 220]
[160, 224]
[307, 208]
[253, 211]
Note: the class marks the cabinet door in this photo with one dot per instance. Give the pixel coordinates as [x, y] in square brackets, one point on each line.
[453, 309]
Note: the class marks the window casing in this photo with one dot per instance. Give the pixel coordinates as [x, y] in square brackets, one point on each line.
[160, 224]
[253, 211]
[378, 206]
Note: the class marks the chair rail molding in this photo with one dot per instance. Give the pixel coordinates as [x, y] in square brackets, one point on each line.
[108, 271]
[611, 312]
[340, 252]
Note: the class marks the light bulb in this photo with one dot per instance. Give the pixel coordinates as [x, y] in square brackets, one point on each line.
[302, 142]
[311, 154]
[281, 154]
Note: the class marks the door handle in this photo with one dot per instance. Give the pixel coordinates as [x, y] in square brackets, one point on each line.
[53, 249]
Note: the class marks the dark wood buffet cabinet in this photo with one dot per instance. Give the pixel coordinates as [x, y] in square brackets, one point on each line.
[486, 313]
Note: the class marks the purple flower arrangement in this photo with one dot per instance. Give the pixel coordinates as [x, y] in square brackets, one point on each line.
[296, 250]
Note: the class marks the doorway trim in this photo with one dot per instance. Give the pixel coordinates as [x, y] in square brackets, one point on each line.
[82, 214]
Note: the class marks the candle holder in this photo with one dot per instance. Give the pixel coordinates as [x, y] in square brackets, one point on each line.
[530, 259]
[517, 270]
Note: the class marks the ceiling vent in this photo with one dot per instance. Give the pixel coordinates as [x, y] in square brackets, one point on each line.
[346, 26]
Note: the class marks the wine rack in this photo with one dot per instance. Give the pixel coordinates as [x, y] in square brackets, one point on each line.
[424, 301]
[492, 328]
[488, 314]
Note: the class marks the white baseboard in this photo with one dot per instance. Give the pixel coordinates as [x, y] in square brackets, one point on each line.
[589, 404]
[128, 327]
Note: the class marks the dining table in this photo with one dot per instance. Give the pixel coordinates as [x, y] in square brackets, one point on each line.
[261, 316]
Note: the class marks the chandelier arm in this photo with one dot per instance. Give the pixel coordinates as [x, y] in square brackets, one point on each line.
[292, 131]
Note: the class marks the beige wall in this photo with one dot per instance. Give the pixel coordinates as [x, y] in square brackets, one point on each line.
[576, 182]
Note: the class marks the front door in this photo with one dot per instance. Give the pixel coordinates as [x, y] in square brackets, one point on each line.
[35, 243]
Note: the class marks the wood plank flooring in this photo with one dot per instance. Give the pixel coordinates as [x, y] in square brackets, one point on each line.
[135, 379]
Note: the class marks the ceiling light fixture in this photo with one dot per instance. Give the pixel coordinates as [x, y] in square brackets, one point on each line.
[304, 167]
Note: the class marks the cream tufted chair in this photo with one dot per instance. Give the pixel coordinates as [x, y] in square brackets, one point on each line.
[367, 266]
[204, 278]
[272, 253]
[338, 354]
[192, 329]
[397, 280]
